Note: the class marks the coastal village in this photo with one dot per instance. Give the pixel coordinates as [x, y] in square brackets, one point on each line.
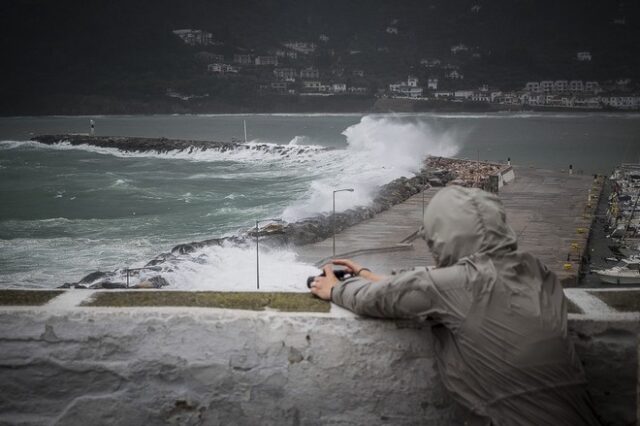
[315, 68]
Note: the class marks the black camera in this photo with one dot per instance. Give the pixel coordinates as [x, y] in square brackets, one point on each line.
[341, 274]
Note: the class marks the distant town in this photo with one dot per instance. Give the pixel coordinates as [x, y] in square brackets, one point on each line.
[288, 69]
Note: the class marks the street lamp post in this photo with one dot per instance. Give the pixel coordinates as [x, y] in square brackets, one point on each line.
[424, 184]
[257, 248]
[333, 217]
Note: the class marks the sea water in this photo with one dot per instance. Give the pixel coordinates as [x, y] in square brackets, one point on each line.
[68, 210]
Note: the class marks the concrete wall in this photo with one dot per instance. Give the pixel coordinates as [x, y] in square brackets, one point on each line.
[215, 367]
[608, 350]
[220, 367]
[505, 176]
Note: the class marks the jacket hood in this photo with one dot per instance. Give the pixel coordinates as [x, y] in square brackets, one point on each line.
[459, 222]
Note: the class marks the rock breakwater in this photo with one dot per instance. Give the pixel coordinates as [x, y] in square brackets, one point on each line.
[164, 145]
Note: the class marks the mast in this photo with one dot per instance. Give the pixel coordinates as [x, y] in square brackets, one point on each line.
[633, 210]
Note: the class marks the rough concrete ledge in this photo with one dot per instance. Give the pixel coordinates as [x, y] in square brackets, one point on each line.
[78, 365]
[623, 301]
[608, 350]
[215, 367]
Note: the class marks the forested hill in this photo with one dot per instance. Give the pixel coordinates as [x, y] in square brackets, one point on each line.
[61, 53]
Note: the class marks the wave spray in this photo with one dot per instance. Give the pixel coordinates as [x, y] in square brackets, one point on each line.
[379, 150]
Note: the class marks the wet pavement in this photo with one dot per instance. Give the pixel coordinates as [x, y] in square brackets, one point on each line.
[547, 209]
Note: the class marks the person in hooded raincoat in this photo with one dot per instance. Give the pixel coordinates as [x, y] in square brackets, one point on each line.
[499, 315]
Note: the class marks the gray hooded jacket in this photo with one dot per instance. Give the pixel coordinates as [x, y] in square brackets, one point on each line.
[499, 315]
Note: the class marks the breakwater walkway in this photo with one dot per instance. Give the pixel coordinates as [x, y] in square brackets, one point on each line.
[549, 211]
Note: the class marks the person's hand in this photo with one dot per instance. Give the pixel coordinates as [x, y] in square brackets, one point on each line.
[351, 266]
[322, 286]
[356, 269]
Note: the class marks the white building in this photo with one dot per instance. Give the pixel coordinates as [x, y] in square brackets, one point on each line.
[443, 94]
[410, 92]
[430, 63]
[312, 85]
[463, 94]
[586, 102]
[217, 68]
[459, 48]
[560, 86]
[532, 86]
[481, 96]
[583, 56]
[310, 73]
[454, 75]
[324, 38]
[403, 89]
[243, 59]
[546, 86]
[194, 37]
[537, 99]
[266, 60]
[286, 53]
[358, 90]
[338, 88]
[432, 84]
[281, 87]
[576, 86]
[407, 88]
[392, 30]
[622, 102]
[301, 47]
[222, 68]
[287, 74]
[509, 98]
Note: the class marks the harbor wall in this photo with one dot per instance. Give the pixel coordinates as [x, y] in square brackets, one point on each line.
[186, 366]
[506, 176]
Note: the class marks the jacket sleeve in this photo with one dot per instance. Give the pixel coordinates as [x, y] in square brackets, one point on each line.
[410, 294]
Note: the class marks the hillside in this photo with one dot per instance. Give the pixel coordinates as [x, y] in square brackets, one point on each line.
[73, 56]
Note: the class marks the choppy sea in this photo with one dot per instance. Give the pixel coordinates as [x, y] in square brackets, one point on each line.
[67, 210]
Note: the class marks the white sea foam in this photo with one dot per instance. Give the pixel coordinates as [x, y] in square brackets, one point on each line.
[380, 149]
[233, 268]
[16, 144]
[233, 196]
[299, 140]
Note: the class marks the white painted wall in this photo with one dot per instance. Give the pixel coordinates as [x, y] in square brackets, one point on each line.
[187, 366]
[506, 176]
[215, 367]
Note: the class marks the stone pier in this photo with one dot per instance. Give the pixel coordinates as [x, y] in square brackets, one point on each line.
[550, 211]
